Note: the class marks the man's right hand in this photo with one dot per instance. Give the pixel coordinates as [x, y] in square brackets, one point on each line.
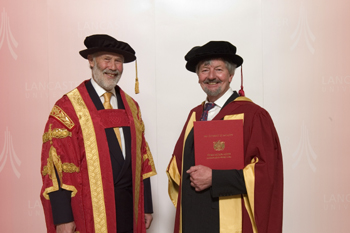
[66, 227]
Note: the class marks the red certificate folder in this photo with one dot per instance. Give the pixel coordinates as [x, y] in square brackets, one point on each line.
[219, 144]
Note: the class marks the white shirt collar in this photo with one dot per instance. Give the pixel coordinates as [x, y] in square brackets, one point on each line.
[100, 91]
[222, 100]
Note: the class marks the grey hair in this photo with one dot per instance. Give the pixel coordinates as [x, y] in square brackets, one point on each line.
[94, 55]
[231, 67]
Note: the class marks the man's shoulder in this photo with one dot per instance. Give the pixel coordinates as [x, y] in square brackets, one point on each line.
[127, 97]
[63, 111]
[198, 108]
[246, 105]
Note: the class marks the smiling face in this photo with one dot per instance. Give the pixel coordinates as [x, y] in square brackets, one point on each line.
[107, 69]
[214, 78]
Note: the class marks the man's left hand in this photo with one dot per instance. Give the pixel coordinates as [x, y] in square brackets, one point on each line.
[148, 220]
[200, 176]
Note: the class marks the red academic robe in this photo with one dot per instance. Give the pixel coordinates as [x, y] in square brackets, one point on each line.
[75, 144]
[260, 210]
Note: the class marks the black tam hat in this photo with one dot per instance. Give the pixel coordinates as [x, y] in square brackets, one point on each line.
[212, 49]
[106, 43]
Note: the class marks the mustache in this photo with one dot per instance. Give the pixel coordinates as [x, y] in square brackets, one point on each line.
[108, 71]
[207, 81]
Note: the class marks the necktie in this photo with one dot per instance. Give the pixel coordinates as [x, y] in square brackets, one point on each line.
[207, 107]
[107, 105]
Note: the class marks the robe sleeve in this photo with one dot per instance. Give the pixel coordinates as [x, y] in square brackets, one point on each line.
[148, 196]
[148, 170]
[60, 201]
[263, 174]
[59, 166]
[227, 183]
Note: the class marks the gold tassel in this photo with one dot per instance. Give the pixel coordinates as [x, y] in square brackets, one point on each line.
[137, 90]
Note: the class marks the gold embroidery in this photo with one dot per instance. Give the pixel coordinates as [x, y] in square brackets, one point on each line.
[49, 169]
[70, 168]
[93, 161]
[55, 161]
[148, 156]
[55, 133]
[60, 115]
[66, 167]
[64, 186]
[138, 128]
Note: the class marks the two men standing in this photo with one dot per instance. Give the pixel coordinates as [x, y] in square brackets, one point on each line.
[96, 162]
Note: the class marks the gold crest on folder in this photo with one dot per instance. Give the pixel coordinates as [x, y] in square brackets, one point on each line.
[219, 145]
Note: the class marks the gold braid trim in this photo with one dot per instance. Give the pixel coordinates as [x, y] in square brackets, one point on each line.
[53, 162]
[150, 162]
[139, 128]
[92, 159]
[66, 167]
[60, 115]
[70, 168]
[55, 133]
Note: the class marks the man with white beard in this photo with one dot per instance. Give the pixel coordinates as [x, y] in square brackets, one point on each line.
[95, 161]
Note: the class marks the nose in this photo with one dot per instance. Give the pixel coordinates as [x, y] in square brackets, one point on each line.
[211, 74]
[112, 66]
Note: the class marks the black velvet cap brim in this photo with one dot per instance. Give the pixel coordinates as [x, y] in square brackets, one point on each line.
[128, 57]
[192, 64]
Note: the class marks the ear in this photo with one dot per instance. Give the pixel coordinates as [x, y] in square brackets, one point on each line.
[91, 61]
[231, 77]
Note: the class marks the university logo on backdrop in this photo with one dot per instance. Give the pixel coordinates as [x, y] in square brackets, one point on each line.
[303, 31]
[8, 155]
[6, 36]
[304, 150]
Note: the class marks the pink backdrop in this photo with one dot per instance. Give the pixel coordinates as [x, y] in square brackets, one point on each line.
[295, 54]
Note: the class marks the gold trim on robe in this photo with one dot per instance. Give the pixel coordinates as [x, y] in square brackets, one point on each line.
[139, 127]
[53, 162]
[55, 133]
[243, 98]
[93, 161]
[148, 156]
[230, 207]
[174, 179]
[61, 116]
[249, 178]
